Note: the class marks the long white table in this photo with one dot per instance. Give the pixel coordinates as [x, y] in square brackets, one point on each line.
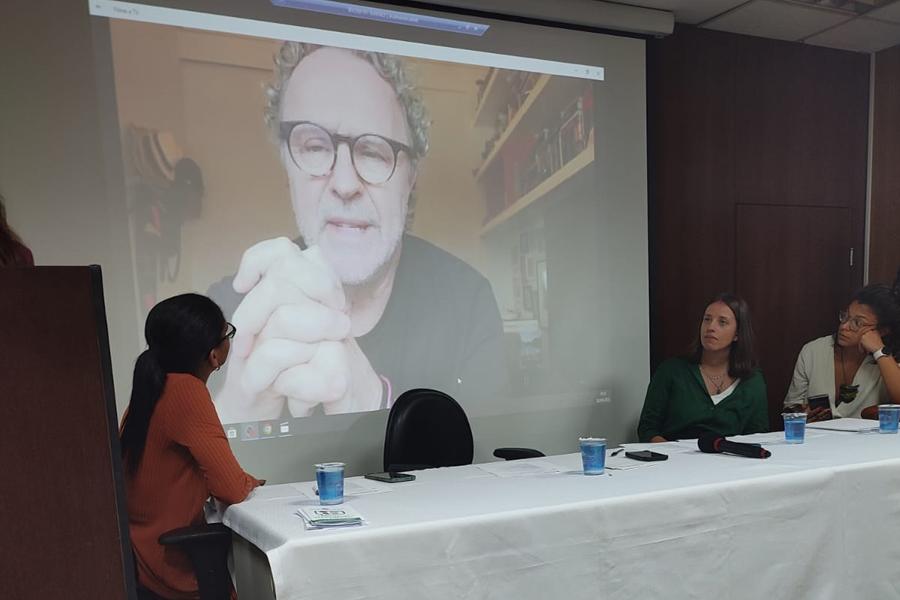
[819, 520]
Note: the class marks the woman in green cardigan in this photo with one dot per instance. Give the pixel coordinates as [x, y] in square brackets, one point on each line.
[717, 389]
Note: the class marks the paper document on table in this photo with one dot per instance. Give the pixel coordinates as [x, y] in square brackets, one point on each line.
[307, 488]
[318, 517]
[772, 438]
[682, 447]
[845, 424]
[362, 487]
[519, 468]
[621, 463]
[352, 487]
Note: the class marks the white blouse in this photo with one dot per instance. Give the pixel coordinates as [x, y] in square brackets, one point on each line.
[814, 375]
[724, 393]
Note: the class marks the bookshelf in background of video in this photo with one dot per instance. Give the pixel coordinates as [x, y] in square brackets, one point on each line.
[541, 135]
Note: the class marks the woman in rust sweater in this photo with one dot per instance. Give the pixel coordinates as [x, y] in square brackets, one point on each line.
[173, 445]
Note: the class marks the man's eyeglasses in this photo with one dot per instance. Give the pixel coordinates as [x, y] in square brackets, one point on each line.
[314, 150]
[854, 323]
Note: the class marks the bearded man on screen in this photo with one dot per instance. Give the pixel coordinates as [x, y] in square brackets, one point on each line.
[356, 310]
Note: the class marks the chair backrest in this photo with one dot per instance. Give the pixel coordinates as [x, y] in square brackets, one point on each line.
[427, 428]
[207, 547]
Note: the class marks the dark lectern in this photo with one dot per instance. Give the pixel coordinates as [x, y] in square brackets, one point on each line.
[62, 505]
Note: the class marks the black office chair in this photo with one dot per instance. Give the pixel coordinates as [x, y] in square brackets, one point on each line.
[207, 548]
[427, 428]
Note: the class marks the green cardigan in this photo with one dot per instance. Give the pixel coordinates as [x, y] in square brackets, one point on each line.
[678, 406]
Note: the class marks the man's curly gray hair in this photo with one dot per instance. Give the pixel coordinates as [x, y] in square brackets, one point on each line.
[390, 67]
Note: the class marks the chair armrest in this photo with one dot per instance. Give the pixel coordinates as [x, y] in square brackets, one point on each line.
[517, 453]
[208, 533]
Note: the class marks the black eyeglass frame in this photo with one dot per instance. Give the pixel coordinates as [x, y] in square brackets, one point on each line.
[286, 128]
[230, 331]
[852, 322]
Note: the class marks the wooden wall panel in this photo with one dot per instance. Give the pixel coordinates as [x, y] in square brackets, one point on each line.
[884, 235]
[733, 121]
[800, 302]
[62, 511]
[801, 121]
[691, 150]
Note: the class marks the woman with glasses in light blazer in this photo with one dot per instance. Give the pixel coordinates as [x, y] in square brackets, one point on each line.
[856, 367]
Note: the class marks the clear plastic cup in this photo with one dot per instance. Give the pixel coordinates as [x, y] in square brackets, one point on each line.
[330, 480]
[593, 455]
[794, 427]
[888, 417]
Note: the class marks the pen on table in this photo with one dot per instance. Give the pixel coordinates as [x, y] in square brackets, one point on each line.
[617, 452]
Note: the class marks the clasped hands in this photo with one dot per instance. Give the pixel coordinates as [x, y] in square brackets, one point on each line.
[293, 341]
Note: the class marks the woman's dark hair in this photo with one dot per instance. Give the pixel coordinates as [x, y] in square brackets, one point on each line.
[180, 333]
[884, 300]
[741, 358]
[9, 240]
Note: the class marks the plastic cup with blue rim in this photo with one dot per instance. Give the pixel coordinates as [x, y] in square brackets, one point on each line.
[330, 481]
[593, 455]
[888, 418]
[794, 427]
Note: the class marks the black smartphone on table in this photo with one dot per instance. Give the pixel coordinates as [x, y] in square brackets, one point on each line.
[646, 455]
[390, 477]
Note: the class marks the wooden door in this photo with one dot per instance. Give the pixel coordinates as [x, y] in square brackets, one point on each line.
[792, 265]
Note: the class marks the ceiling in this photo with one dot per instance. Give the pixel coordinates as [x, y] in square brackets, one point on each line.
[859, 25]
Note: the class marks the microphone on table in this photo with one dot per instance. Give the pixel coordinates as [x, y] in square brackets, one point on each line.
[711, 442]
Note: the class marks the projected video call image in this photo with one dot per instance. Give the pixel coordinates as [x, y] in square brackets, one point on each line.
[370, 223]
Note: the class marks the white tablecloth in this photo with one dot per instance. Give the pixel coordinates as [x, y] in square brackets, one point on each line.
[818, 520]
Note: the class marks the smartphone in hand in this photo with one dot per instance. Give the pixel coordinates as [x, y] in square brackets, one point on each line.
[818, 401]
